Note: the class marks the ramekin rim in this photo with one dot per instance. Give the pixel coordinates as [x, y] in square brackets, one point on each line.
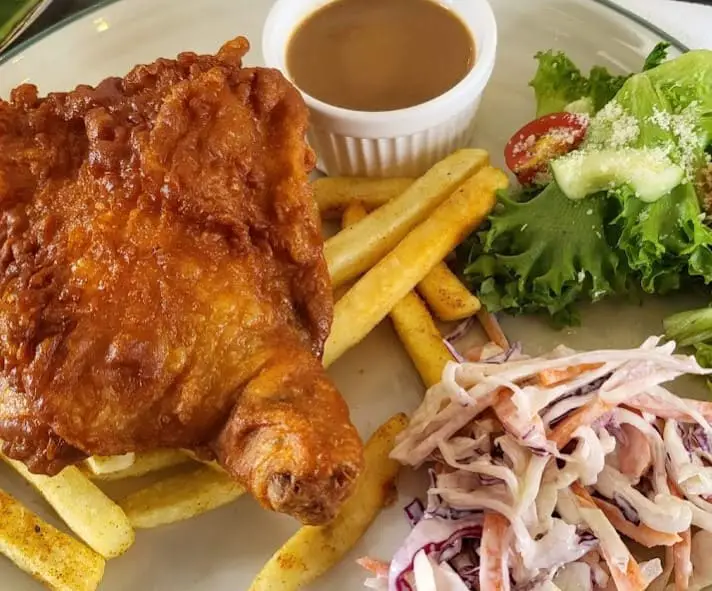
[478, 76]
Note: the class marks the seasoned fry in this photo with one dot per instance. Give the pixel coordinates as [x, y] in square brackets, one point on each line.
[180, 497]
[334, 194]
[313, 550]
[421, 338]
[98, 465]
[86, 510]
[52, 557]
[145, 463]
[413, 323]
[357, 248]
[353, 214]
[446, 296]
[375, 294]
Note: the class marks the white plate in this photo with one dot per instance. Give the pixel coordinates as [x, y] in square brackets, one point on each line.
[223, 550]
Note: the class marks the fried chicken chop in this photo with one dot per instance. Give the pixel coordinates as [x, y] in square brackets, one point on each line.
[162, 281]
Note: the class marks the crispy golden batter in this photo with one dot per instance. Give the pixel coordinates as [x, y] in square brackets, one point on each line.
[162, 282]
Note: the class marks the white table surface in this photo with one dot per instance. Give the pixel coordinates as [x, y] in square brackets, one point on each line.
[690, 23]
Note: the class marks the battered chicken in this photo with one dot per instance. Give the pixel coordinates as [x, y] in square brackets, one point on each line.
[162, 280]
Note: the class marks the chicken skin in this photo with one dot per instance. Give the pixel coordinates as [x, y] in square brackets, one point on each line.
[162, 280]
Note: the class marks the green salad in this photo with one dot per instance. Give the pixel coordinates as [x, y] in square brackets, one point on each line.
[615, 190]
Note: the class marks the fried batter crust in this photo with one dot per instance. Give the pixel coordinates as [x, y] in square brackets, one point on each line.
[162, 281]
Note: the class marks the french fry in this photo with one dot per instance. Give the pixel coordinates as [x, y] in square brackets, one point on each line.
[413, 324]
[86, 510]
[374, 295]
[421, 338]
[313, 550]
[180, 497]
[99, 465]
[447, 297]
[145, 463]
[334, 194]
[445, 294]
[357, 248]
[206, 462]
[52, 557]
[353, 214]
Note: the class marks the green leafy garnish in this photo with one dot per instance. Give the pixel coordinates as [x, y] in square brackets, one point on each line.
[689, 328]
[546, 252]
[693, 328]
[657, 56]
[558, 82]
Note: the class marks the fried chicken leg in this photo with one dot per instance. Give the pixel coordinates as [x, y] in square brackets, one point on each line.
[162, 282]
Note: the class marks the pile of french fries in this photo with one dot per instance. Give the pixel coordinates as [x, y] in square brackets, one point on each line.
[386, 262]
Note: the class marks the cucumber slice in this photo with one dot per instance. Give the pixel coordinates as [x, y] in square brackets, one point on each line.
[583, 106]
[650, 173]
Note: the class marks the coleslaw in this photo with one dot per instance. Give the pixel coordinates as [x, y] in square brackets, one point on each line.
[540, 467]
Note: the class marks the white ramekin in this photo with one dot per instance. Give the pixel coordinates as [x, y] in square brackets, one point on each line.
[405, 142]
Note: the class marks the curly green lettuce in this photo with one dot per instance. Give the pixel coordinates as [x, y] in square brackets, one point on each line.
[657, 56]
[547, 252]
[558, 82]
[667, 241]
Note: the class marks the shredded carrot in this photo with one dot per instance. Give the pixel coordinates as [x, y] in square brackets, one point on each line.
[647, 403]
[492, 328]
[510, 416]
[494, 571]
[682, 563]
[632, 578]
[554, 377]
[682, 551]
[585, 415]
[641, 533]
[374, 566]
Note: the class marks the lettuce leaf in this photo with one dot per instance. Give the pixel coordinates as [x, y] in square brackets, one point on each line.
[559, 82]
[657, 56]
[692, 328]
[603, 86]
[665, 242]
[545, 254]
[669, 108]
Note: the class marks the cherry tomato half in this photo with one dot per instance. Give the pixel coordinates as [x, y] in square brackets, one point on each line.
[530, 150]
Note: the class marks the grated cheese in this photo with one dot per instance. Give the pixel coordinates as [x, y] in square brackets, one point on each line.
[682, 126]
[613, 128]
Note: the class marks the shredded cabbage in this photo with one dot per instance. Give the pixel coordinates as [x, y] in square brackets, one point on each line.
[536, 440]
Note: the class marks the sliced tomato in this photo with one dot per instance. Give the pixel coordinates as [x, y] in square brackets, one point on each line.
[530, 150]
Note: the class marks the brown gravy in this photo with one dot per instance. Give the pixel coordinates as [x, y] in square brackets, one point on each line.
[379, 55]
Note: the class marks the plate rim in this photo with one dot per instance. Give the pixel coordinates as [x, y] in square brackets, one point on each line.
[15, 50]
